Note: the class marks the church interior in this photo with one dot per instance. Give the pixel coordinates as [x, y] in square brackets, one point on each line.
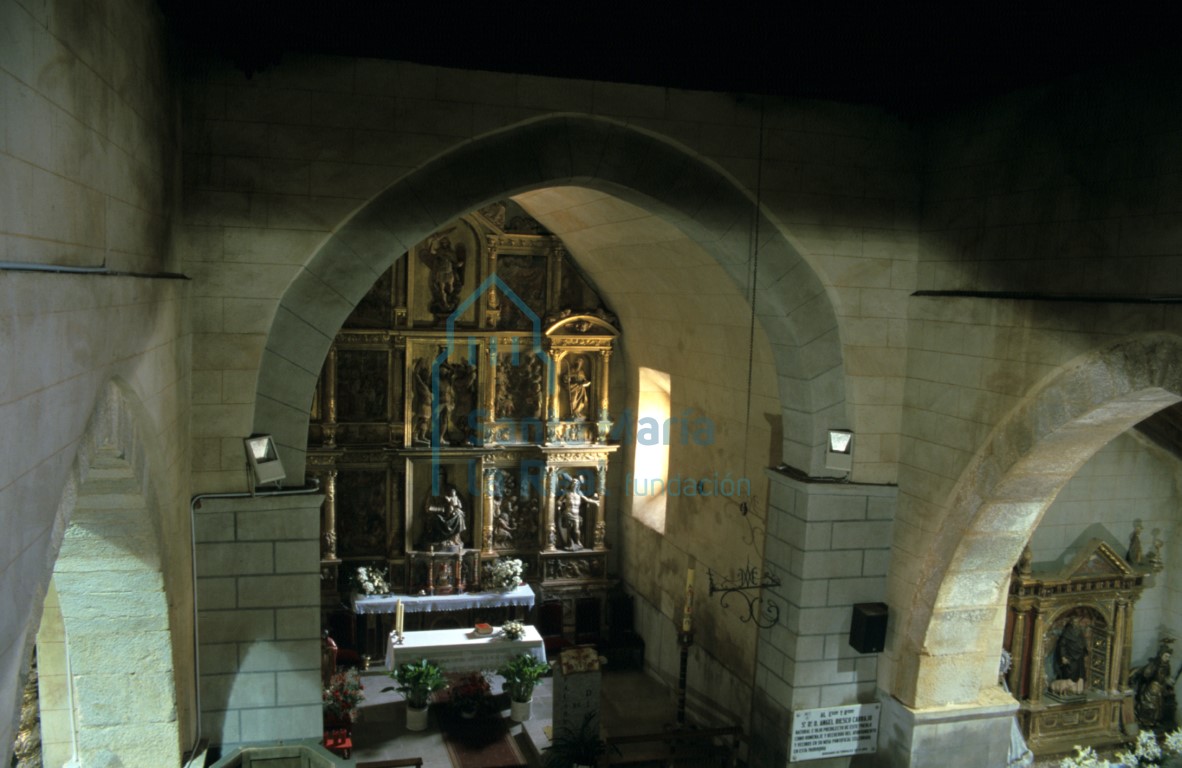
[827, 374]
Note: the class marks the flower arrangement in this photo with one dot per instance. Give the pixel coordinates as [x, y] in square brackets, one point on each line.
[1146, 752]
[469, 693]
[505, 573]
[513, 630]
[372, 581]
[344, 694]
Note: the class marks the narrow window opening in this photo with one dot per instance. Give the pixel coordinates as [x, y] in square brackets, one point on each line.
[650, 467]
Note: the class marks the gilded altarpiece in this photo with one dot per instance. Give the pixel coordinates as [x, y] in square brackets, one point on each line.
[1069, 632]
[463, 415]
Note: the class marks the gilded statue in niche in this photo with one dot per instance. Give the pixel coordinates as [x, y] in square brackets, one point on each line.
[570, 518]
[577, 384]
[445, 260]
[444, 402]
[423, 403]
[445, 521]
[1078, 653]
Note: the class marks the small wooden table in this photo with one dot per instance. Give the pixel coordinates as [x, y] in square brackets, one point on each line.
[462, 650]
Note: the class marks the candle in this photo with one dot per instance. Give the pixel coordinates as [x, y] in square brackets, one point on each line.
[398, 620]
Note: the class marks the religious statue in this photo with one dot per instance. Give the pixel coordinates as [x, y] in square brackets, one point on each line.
[505, 407]
[571, 520]
[1071, 652]
[577, 384]
[535, 398]
[446, 262]
[447, 401]
[1154, 690]
[423, 402]
[445, 521]
[1154, 557]
[1025, 561]
[1135, 554]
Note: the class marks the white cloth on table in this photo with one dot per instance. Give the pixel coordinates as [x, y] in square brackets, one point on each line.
[462, 650]
[521, 596]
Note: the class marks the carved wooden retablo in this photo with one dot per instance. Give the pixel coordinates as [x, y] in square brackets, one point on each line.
[1070, 634]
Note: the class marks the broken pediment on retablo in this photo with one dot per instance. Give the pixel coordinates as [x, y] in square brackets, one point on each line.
[1096, 559]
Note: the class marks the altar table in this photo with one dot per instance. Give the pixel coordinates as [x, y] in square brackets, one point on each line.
[462, 650]
[522, 596]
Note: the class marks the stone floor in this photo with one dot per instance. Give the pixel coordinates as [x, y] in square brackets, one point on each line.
[632, 703]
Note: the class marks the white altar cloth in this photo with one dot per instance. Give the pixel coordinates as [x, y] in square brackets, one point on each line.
[462, 650]
[521, 596]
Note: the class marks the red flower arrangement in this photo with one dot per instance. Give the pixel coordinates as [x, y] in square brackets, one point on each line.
[344, 694]
[470, 692]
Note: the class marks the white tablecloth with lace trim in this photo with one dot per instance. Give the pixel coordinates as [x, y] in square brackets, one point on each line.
[522, 596]
[462, 650]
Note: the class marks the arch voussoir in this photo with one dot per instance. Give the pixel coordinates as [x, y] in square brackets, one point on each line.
[954, 619]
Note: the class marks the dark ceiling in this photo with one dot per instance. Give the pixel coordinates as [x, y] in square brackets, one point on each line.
[913, 58]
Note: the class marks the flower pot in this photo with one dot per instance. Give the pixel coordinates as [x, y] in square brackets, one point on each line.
[520, 711]
[416, 719]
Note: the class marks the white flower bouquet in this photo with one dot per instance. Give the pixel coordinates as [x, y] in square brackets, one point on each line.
[513, 630]
[372, 581]
[1146, 752]
[504, 573]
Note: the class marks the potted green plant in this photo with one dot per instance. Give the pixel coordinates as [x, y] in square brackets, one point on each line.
[522, 673]
[575, 749]
[417, 680]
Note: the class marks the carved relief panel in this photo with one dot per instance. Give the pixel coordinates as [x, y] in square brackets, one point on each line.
[443, 404]
[367, 527]
[444, 270]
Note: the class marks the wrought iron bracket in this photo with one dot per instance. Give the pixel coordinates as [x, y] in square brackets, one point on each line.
[747, 583]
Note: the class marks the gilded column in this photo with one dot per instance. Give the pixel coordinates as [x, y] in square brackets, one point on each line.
[552, 387]
[599, 523]
[1116, 655]
[604, 361]
[330, 515]
[490, 390]
[1017, 649]
[1128, 652]
[489, 506]
[603, 427]
[1037, 668]
[551, 531]
[492, 308]
[330, 397]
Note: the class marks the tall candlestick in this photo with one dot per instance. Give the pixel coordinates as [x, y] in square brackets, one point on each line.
[687, 614]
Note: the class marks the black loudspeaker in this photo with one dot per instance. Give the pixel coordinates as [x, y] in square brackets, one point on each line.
[868, 627]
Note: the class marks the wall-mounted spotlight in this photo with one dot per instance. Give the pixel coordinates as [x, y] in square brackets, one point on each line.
[839, 450]
[263, 461]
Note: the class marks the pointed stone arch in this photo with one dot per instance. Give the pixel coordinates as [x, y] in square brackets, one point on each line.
[949, 644]
[643, 169]
[106, 620]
